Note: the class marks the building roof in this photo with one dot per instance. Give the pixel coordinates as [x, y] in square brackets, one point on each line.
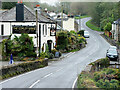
[117, 21]
[29, 15]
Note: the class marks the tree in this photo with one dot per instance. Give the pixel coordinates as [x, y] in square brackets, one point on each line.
[8, 5]
[21, 46]
[108, 26]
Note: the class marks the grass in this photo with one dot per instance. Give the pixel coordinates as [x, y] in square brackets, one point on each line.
[82, 17]
[92, 26]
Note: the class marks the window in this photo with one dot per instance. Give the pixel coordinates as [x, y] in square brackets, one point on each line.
[46, 29]
[2, 29]
[43, 30]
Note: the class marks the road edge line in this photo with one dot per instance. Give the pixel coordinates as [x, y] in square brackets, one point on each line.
[73, 86]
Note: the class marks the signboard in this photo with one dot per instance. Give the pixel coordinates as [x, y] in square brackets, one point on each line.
[57, 54]
[18, 29]
[52, 32]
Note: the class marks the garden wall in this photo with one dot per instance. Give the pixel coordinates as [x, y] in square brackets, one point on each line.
[9, 71]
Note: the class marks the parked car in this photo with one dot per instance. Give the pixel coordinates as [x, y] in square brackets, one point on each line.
[113, 47]
[112, 54]
[86, 34]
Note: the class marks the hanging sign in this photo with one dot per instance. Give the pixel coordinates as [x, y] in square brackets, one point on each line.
[52, 32]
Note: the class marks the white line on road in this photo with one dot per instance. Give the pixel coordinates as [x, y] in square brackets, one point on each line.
[34, 84]
[59, 69]
[47, 75]
[74, 83]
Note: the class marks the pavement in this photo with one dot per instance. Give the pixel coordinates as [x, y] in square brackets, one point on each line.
[62, 73]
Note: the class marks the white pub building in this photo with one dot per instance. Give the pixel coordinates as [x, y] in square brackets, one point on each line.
[21, 19]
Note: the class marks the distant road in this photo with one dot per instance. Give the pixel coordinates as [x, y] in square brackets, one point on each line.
[62, 74]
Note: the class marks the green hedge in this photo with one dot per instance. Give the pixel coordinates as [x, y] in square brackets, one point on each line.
[92, 26]
[100, 63]
[13, 70]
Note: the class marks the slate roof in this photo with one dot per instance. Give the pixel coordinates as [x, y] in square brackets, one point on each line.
[116, 22]
[29, 15]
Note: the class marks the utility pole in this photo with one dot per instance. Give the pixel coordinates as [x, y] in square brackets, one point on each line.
[62, 18]
[80, 21]
[36, 11]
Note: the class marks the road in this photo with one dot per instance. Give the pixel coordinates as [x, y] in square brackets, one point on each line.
[62, 74]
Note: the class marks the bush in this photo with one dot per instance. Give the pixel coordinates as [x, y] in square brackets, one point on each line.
[50, 56]
[107, 84]
[19, 46]
[81, 32]
[54, 51]
[43, 54]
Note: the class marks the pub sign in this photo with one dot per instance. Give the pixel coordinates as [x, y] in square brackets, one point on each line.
[18, 29]
[52, 31]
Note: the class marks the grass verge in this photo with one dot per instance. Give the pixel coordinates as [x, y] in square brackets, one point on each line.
[92, 26]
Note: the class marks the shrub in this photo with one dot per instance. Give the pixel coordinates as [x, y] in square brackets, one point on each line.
[81, 32]
[96, 76]
[19, 46]
[111, 71]
[43, 54]
[114, 83]
[53, 51]
[50, 56]
[73, 32]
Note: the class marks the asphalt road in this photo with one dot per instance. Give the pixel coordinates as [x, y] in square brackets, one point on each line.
[62, 74]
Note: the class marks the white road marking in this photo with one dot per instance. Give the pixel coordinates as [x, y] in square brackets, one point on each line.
[47, 75]
[59, 69]
[34, 84]
[21, 75]
[74, 83]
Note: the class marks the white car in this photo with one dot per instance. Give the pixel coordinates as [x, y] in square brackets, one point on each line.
[86, 34]
[113, 47]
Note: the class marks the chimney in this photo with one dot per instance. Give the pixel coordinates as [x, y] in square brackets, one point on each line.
[20, 11]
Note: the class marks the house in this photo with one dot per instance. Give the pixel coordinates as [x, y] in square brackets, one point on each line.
[21, 19]
[69, 23]
[116, 30]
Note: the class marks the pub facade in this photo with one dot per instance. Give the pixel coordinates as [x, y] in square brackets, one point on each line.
[21, 19]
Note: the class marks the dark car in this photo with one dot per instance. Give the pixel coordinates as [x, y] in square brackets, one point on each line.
[112, 54]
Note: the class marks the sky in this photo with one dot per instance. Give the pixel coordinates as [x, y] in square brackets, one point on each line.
[50, 2]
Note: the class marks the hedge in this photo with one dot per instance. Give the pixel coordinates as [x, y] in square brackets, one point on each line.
[99, 64]
[13, 70]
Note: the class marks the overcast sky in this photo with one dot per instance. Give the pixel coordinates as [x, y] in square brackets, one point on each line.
[50, 2]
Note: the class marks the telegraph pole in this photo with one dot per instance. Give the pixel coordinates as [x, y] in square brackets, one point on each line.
[62, 18]
[36, 11]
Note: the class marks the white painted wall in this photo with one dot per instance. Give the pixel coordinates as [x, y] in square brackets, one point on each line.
[69, 24]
